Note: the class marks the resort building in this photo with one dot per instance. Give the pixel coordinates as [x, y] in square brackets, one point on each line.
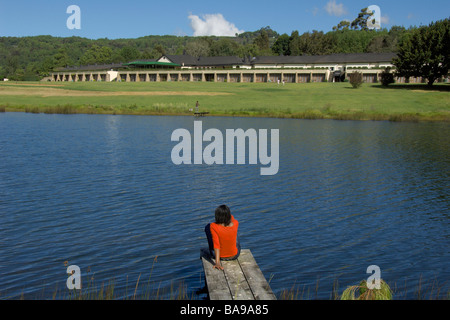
[289, 69]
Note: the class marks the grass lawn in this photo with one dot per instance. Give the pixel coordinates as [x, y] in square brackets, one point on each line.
[410, 102]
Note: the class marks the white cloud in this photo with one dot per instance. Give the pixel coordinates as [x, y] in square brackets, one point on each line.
[213, 25]
[335, 9]
[385, 19]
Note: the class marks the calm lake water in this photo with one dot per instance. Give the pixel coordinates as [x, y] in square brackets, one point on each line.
[101, 192]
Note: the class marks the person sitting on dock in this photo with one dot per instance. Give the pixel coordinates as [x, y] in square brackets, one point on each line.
[222, 236]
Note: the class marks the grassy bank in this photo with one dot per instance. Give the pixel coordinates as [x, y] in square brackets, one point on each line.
[305, 101]
[144, 289]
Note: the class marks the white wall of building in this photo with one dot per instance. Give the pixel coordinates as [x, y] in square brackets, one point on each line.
[112, 75]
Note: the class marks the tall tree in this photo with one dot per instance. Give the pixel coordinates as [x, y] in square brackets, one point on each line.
[281, 45]
[262, 41]
[294, 44]
[361, 21]
[425, 52]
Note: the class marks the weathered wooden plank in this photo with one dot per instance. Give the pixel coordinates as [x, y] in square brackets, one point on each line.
[255, 278]
[237, 281]
[241, 279]
[215, 279]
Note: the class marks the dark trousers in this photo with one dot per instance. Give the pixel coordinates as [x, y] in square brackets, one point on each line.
[211, 244]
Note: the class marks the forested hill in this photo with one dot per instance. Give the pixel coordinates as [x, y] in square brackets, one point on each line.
[31, 58]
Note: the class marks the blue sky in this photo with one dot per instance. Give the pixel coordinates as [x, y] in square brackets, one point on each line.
[131, 19]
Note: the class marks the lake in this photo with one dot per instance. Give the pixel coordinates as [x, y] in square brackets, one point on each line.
[101, 192]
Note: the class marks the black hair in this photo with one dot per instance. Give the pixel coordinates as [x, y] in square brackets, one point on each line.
[223, 215]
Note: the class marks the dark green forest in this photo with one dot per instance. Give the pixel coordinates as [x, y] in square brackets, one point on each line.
[31, 58]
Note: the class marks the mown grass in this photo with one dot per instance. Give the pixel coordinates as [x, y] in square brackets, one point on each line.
[302, 101]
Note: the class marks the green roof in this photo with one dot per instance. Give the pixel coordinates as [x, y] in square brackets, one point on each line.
[151, 63]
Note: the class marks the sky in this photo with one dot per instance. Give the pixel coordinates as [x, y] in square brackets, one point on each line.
[137, 18]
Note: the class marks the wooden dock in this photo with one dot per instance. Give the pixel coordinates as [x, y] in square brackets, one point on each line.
[241, 279]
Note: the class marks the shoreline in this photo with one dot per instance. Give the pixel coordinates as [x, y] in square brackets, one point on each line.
[110, 291]
[312, 114]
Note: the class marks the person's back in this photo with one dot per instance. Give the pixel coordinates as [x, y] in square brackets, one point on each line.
[222, 236]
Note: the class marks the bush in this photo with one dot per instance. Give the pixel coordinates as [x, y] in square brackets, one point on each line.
[356, 79]
[362, 292]
[387, 77]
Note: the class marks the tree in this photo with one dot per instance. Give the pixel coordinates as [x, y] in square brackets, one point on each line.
[46, 66]
[12, 64]
[249, 37]
[129, 53]
[294, 44]
[281, 45]
[316, 43]
[356, 79]
[248, 50]
[61, 59]
[96, 55]
[223, 47]
[352, 41]
[361, 21]
[158, 51]
[343, 25]
[262, 41]
[425, 52]
[198, 48]
[383, 41]
[387, 77]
